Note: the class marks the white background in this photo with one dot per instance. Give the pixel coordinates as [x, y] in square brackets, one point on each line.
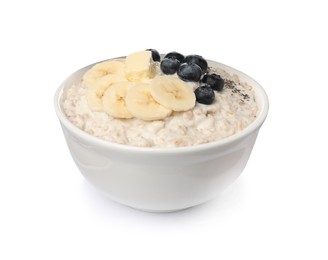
[278, 207]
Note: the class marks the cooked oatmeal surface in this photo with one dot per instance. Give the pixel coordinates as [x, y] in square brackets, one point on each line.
[234, 109]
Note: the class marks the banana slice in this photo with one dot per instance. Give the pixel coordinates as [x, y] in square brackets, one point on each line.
[96, 90]
[172, 93]
[140, 104]
[102, 69]
[103, 83]
[114, 100]
[94, 101]
[139, 66]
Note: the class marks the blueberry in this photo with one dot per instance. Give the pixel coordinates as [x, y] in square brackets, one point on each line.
[175, 55]
[199, 60]
[169, 66]
[189, 72]
[155, 54]
[214, 80]
[204, 94]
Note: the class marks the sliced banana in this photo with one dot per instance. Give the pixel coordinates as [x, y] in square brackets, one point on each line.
[114, 100]
[140, 104]
[96, 90]
[139, 66]
[102, 69]
[94, 101]
[172, 93]
[105, 82]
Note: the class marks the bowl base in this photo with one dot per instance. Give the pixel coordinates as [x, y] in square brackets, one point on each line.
[161, 211]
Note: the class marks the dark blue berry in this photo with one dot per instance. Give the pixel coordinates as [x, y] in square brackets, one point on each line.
[169, 66]
[205, 94]
[175, 55]
[214, 80]
[189, 72]
[155, 54]
[199, 60]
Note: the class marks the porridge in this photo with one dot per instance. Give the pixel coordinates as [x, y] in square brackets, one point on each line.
[147, 101]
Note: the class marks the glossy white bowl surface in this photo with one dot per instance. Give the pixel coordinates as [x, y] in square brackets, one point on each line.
[161, 179]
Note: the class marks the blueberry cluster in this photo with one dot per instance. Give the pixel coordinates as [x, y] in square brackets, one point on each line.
[192, 68]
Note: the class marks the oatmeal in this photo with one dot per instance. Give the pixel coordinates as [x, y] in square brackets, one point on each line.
[145, 112]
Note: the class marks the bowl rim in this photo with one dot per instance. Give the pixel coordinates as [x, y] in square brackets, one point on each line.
[256, 124]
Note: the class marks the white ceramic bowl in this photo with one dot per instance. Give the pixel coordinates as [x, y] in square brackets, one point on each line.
[161, 179]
